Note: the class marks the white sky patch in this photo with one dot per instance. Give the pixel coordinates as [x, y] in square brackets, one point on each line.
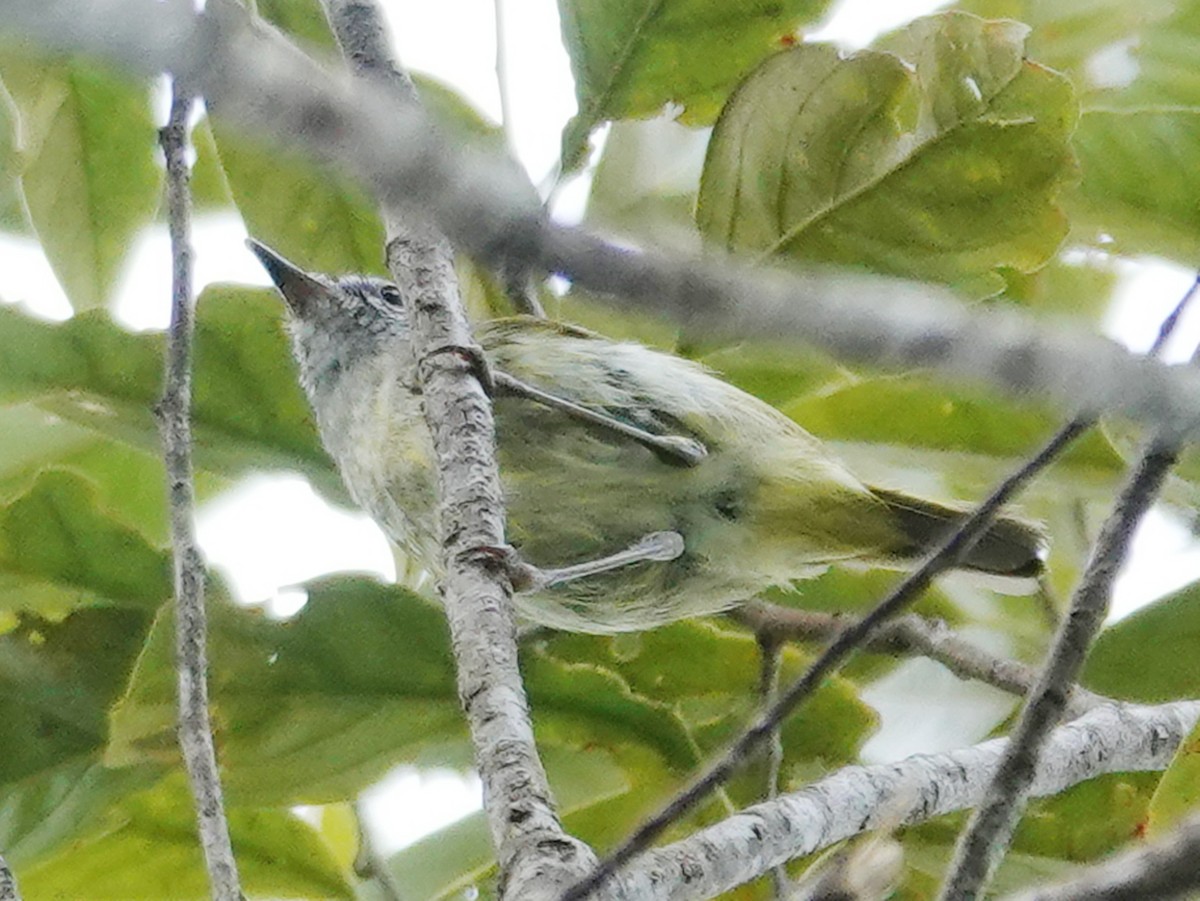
[856, 23]
[272, 532]
[1114, 66]
[408, 804]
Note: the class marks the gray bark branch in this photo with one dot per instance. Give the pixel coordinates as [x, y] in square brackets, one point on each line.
[989, 830]
[1162, 870]
[528, 837]
[191, 622]
[914, 635]
[8, 883]
[267, 87]
[857, 634]
[858, 799]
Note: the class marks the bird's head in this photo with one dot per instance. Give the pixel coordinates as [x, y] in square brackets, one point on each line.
[334, 322]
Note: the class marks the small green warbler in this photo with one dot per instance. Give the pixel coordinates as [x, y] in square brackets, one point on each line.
[657, 490]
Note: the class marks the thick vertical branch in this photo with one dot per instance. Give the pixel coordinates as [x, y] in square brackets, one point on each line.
[174, 412]
[531, 844]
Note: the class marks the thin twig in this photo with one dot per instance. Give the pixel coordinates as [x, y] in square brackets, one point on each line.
[911, 634]
[8, 883]
[770, 653]
[1160, 871]
[174, 412]
[843, 645]
[989, 830]
[526, 832]
[854, 800]
[369, 864]
[258, 81]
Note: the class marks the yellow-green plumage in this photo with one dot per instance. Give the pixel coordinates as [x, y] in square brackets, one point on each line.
[768, 505]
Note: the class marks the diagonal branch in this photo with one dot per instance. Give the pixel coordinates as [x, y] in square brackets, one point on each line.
[911, 634]
[174, 414]
[1114, 738]
[267, 87]
[1163, 870]
[989, 831]
[525, 828]
[854, 636]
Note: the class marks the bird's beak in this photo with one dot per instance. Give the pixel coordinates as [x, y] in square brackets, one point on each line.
[299, 289]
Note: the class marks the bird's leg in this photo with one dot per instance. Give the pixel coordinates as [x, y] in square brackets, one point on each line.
[675, 449]
[657, 546]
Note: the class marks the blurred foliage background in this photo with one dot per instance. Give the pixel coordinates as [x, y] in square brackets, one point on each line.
[1015, 150]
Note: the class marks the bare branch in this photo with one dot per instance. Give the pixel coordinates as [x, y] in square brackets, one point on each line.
[911, 634]
[174, 414]
[1163, 870]
[989, 831]
[856, 635]
[526, 832]
[8, 883]
[261, 83]
[858, 799]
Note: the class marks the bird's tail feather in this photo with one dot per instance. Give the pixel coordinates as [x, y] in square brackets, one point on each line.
[1010, 547]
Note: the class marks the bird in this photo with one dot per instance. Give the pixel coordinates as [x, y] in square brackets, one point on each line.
[640, 488]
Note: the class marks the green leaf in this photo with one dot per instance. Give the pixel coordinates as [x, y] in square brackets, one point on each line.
[210, 190]
[57, 681]
[711, 680]
[1178, 792]
[1068, 36]
[89, 176]
[631, 58]
[322, 221]
[313, 709]
[249, 412]
[59, 550]
[1135, 195]
[645, 181]
[12, 203]
[154, 854]
[1120, 666]
[908, 411]
[939, 156]
[303, 20]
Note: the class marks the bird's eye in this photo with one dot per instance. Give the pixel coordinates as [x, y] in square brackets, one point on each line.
[391, 294]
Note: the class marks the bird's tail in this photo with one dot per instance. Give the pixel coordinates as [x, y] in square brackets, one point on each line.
[1009, 548]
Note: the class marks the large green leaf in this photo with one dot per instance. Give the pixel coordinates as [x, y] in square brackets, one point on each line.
[1135, 195]
[153, 854]
[303, 211]
[1178, 792]
[58, 550]
[711, 678]
[315, 708]
[631, 58]
[938, 156]
[57, 681]
[1082, 824]
[910, 412]
[249, 412]
[1120, 666]
[1067, 35]
[88, 170]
